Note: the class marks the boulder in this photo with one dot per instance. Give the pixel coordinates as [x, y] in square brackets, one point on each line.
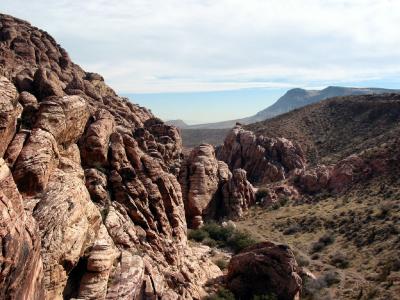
[95, 143]
[64, 117]
[264, 269]
[37, 160]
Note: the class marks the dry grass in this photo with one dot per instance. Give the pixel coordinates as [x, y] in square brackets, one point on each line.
[359, 239]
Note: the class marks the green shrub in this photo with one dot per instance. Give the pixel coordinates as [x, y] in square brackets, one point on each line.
[240, 240]
[210, 242]
[222, 263]
[197, 234]
[217, 232]
[215, 235]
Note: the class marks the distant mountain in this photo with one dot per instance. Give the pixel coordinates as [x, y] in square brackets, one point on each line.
[177, 123]
[294, 98]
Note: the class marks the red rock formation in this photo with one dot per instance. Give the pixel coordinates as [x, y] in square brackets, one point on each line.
[209, 189]
[265, 159]
[98, 207]
[238, 195]
[20, 260]
[264, 269]
[202, 178]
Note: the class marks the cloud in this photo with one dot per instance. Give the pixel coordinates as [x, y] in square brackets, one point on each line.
[197, 45]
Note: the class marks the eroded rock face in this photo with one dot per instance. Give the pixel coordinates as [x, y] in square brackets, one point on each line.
[97, 211]
[209, 189]
[265, 159]
[265, 268]
[20, 260]
[202, 179]
[238, 194]
[8, 113]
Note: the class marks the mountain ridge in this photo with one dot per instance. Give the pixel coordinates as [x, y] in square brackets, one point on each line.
[292, 99]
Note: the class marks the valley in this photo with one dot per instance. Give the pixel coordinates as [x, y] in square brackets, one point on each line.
[101, 199]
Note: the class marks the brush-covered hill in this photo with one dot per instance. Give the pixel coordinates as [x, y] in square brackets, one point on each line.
[333, 129]
[340, 212]
[292, 99]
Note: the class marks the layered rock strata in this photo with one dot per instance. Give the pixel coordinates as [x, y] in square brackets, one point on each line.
[96, 210]
[210, 191]
[265, 159]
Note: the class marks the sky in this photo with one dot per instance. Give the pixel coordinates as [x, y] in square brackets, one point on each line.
[213, 60]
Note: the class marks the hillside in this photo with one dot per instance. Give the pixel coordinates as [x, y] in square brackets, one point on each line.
[333, 129]
[194, 137]
[295, 98]
[340, 211]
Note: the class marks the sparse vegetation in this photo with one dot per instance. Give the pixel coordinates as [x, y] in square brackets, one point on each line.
[215, 235]
[323, 241]
[338, 259]
[222, 294]
[222, 263]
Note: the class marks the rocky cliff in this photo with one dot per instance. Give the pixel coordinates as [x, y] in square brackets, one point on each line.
[210, 190]
[90, 204]
[265, 159]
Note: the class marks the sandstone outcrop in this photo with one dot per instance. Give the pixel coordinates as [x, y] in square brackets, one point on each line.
[238, 195]
[209, 189]
[21, 270]
[265, 159]
[264, 269]
[342, 175]
[96, 210]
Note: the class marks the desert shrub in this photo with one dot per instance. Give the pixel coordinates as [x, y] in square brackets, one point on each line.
[240, 240]
[325, 240]
[315, 256]
[302, 260]
[292, 229]
[222, 263]
[317, 247]
[222, 294]
[210, 242]
[331, 277]
[385, 208]
[198, 235]
[261, 193]
[311, 287]
[328, 238]
[281, 202]
[217, 232]
[339, 260]
[213, 235]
